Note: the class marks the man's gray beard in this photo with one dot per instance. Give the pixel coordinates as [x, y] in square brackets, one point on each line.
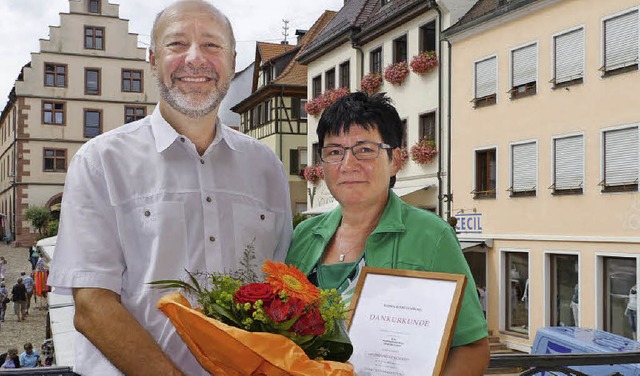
[181, 102]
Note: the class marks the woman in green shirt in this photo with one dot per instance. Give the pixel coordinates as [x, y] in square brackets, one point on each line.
[359, 139]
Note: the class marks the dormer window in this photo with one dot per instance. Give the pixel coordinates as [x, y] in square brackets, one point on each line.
[94, 6]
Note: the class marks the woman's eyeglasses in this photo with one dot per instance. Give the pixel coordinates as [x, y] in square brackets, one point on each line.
[362, 151]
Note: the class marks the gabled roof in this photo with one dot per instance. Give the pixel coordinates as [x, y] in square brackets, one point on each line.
[360, 21]
[483, 11]
[268, 51]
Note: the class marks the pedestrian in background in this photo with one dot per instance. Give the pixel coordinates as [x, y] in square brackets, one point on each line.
[19, 298]
[33, 256]
[29, 358]
[3, 267]
[28, 282]
[4, 300]
[11, 359]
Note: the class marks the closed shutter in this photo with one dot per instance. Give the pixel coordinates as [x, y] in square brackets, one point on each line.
[569, 56]
[486, 78]
[524, 62]
[524, 167]
[569, 162]
[621, 156]
[621, 40]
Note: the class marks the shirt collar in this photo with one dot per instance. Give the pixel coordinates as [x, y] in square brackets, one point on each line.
[165, 134]
[391, 220]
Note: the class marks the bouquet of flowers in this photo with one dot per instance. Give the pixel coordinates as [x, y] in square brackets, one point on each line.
[282, 326]
[370, 84]
[395, 73]
[423, 151]
[313, 174]
[424, 62]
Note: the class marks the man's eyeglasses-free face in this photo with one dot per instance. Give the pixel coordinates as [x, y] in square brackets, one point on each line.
[362, 151]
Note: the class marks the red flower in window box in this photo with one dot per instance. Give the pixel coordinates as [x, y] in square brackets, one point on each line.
[424, 62]
[370, 84]
[423, 151]
[396, 73]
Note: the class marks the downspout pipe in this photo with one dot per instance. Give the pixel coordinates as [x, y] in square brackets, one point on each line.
[449, 193]
[441, 198]
[355, 46]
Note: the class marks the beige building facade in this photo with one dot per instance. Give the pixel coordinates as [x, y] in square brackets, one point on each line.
[89, 77]
[545, 159]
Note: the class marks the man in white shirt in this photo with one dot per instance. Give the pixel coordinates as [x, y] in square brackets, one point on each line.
[175, 191]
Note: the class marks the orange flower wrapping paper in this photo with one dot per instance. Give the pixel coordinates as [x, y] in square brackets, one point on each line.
[224, 350]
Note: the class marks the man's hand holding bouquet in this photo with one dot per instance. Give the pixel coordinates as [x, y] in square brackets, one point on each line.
[282, 326]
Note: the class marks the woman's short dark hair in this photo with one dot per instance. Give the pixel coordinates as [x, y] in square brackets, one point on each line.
[368, 112]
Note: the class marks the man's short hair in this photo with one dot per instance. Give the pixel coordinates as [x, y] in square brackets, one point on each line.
[212, 8]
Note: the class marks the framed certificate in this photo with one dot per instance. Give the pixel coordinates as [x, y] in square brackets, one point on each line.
[401, 321]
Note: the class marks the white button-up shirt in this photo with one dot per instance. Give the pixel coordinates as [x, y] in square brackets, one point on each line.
[141, 205]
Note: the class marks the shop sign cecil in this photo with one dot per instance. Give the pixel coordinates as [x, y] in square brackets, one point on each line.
[469, 223]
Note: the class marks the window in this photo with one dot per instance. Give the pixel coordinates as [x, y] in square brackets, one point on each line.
[485, 174]
[620, 44]
[55, 160]
[345, 75]
[55, 75]
[405, 136]
[428, 37]
[297, 160]
[330, 79]
[94, 37]
[266, 74]
[315, 153]
[568, 58]
[316, 86]
[524, 169]
[134, 113]
[400, 49]
[568, 165]
[297, 108]
[524, 71]
[428, 127]
[375, 61]
[267, 111]
[564, 291]
[92, 123]
[486, 82]
[94, 6]
[620, 160]
[53, 113]
[517, 291]
[132, 80]
[303, 110]
[619, 288]
[92, 81]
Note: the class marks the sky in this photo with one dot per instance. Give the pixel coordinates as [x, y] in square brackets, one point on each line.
[25, 22]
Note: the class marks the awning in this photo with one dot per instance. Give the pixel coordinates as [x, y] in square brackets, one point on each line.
[400, 191]
[467, 245]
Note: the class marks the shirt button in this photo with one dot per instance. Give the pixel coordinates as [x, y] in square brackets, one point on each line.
[262, 217]
[147, 213]
[182, 139]
[202, 161]
[208, 198]
[212, 238]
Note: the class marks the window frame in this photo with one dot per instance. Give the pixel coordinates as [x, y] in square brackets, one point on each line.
[134, 115]
[53, 112]
[55, 74]
[603, 51]
[505, 285]
[55, 159]
[98, 71]
[528, 88]
[485, 194]
[98, 4]
[94, 37]
[572, 190]
[490, 99]
[551, 260]
[376, 60]
[422, 126]
[398, 53]
[131, 80]
[423, 41]
[630, 187]
[330, 79]
[344, 74]
[84, 121]
[316, 86]
[554, 58]
[524, 193]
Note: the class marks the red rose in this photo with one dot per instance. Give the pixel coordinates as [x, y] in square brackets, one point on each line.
[280, 311]
[254, 291]
[311, 323]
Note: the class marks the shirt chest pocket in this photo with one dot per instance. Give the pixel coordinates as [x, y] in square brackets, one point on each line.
[156, 241]
[254, 227]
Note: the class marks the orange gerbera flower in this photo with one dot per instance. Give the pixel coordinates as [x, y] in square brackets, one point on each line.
[290, 280]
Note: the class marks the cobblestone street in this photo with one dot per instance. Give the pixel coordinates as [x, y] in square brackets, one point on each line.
[12, 332]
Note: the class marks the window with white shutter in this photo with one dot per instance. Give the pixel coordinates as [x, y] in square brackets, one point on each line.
[621, 43]
[524, 71]
[620, 160]
[524, 169]
[568, 165]
[569, 58]
[486, 77]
